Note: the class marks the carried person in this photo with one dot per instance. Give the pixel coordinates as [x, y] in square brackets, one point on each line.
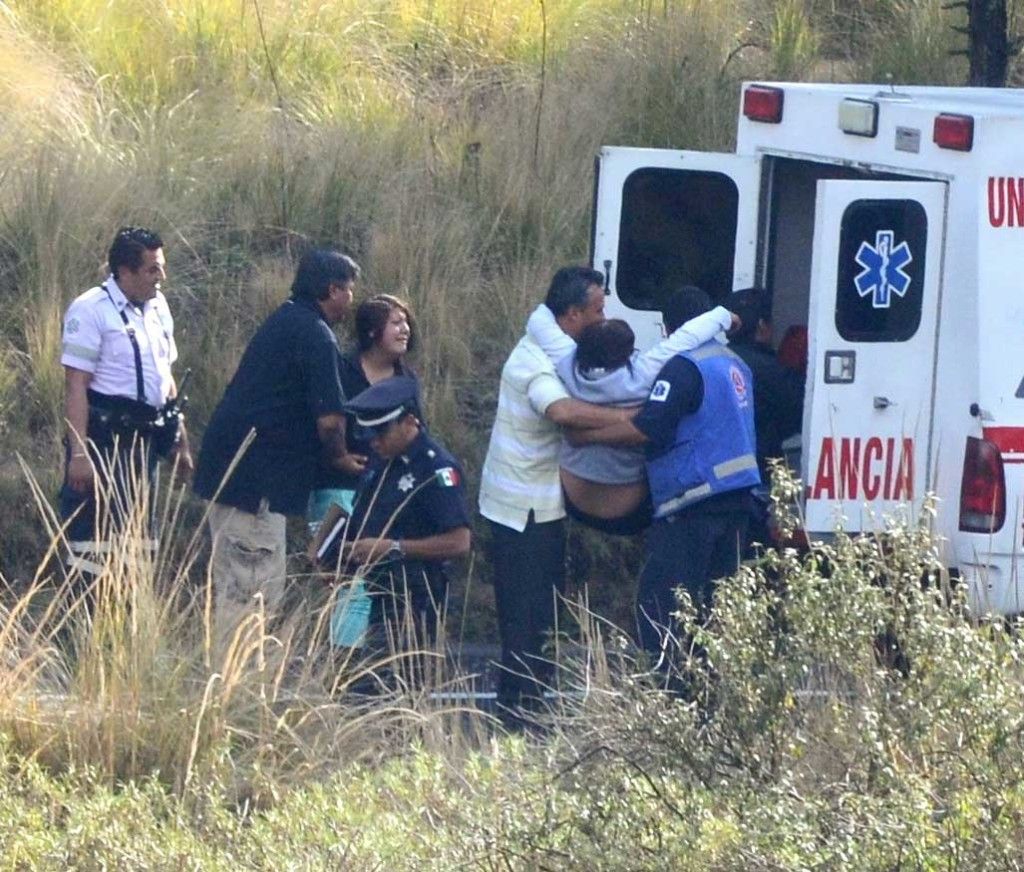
[121, 402]
[605, 485]
[697, 426]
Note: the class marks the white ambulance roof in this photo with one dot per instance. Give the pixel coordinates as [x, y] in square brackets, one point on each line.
[980, 102]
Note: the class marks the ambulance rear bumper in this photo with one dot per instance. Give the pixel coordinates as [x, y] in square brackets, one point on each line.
[994, 587]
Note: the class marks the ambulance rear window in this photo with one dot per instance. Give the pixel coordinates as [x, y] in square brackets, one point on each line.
[881, 270]
[678, 228]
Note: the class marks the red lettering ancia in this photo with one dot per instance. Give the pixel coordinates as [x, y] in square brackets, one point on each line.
[869, 467]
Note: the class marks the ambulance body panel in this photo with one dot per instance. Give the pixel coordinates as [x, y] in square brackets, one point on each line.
[904, 260]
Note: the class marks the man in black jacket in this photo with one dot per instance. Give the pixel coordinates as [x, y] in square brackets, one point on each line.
[778, 391]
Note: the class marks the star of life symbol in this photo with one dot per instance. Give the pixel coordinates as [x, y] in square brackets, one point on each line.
[406, 483]
[883, 273]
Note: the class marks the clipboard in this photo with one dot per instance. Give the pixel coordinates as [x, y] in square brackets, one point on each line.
[331, 530]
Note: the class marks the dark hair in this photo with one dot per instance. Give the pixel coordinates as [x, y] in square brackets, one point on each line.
[682, 305]
[373, 314]
[605, 345]
[569, 288]
[128, 247]
[753, 306]
[319, 269]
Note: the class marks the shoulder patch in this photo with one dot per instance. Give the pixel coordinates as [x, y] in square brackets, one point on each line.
[659, 393]
[448, 476]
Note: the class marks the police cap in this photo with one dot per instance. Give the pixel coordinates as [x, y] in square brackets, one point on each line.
[384, 402]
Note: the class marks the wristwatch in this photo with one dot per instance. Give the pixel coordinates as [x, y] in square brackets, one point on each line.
[395, 550]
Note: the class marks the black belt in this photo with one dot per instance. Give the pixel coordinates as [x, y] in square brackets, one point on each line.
[120, 413]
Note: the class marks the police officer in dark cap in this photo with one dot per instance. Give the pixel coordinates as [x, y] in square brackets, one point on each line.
[410, 515]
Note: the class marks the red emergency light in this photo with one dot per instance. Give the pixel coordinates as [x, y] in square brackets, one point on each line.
[761, 103]
[955, 132]
[983, 488]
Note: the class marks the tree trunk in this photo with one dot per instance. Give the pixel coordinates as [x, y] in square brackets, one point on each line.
[989, 42]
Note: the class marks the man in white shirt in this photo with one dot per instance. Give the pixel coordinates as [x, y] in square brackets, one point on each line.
[117, 352]
[520, 492]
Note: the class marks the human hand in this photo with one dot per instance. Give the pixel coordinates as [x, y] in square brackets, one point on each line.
[353, 464]
[368, 549]
[80, 473]
[183, 463]
[737, 322]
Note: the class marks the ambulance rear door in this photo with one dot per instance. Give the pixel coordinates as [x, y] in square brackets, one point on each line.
[876, 287]
[664, 219]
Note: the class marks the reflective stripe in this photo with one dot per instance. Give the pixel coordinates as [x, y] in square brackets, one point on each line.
[86, 546]
[737, 464]
[82, 351]
[684, 499]
[84, 566]
[383, 419]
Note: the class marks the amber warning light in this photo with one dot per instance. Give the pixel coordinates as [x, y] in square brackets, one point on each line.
[761, 103]
[955, 132]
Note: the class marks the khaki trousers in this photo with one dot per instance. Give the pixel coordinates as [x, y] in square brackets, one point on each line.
[248, 564]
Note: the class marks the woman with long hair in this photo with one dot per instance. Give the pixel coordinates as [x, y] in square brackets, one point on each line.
[385, 333]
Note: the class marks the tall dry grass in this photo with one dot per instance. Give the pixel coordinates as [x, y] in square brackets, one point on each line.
[119, 673]
[448, 146]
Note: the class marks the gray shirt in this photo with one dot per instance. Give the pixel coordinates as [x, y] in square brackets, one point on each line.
[626, 386]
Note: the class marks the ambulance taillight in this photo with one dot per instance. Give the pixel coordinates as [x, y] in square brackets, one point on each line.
[983, 488]
[955, 132]
[762, 103]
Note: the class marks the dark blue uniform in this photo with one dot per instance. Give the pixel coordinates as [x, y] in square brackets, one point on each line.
[698, 535]
[415, 495]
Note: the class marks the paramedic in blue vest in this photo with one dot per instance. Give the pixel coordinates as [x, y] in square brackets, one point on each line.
[698, 429]
[117, 353]
[410, 518]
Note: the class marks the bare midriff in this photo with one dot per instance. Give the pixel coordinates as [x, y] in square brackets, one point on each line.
[603, 500]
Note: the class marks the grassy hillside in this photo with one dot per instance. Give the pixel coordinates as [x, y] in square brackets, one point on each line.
[446, 144]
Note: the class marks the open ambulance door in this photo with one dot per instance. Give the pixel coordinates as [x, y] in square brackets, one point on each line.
[876, 285]
[664, 219]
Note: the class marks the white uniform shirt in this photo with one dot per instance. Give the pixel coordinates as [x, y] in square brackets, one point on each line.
[520, 472]
[96, 341]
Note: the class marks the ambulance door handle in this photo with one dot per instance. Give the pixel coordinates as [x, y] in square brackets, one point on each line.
[883, 402]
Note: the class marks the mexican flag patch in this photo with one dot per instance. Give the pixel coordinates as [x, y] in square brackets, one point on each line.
[448, 477]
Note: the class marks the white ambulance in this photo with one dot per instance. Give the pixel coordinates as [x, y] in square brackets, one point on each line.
[888, 222]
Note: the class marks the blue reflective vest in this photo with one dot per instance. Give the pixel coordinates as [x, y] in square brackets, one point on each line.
[714, 450]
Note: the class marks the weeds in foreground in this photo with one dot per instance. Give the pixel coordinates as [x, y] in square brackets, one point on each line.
[114, 669]
[840, 709]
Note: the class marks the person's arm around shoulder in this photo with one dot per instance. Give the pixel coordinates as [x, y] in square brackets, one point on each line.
[686, 337]
[543, 329]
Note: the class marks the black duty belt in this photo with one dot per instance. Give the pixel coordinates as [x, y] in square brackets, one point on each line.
[120, 413]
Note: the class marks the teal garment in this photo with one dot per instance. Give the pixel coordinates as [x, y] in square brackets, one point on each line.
[351, 616]
[322, 499]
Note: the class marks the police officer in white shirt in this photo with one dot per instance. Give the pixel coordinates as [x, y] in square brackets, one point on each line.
[118, 350]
